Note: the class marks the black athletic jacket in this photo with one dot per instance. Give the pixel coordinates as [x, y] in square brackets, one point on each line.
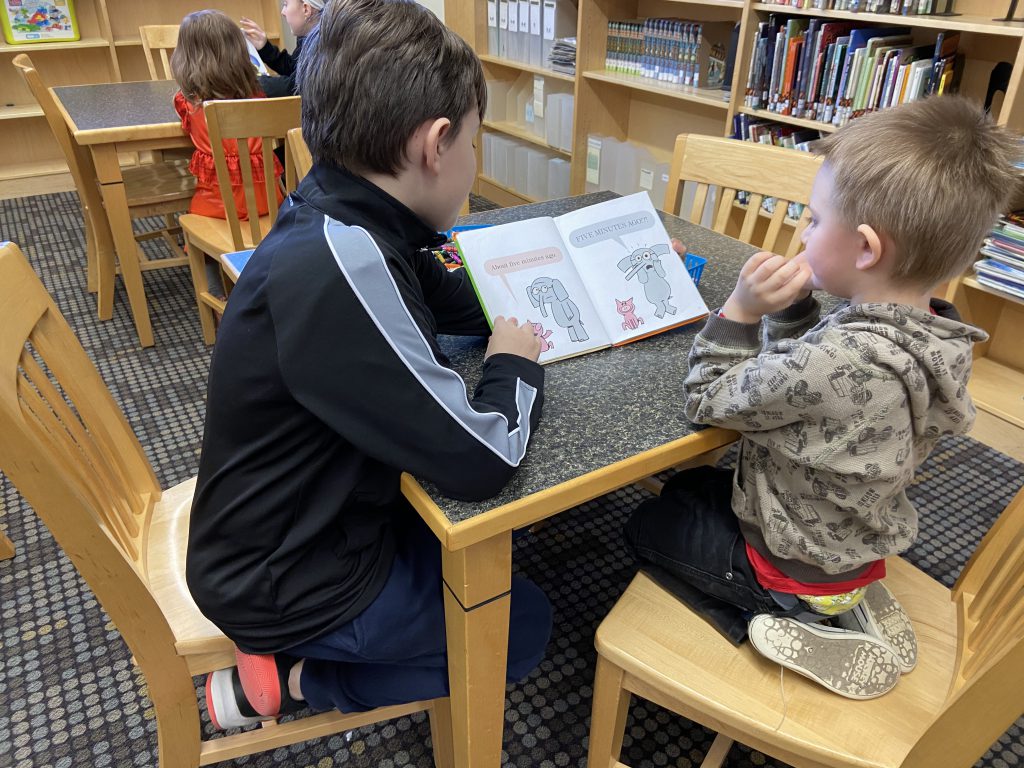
[326, 383]
[284, 64]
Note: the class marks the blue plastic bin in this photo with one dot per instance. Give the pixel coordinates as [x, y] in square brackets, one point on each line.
[695, 266]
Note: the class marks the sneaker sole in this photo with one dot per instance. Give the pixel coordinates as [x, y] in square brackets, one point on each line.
[884, 617]
[258, 675]
[220, 697]
[851, 664]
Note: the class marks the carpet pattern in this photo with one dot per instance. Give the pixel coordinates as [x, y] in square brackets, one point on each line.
[69, 695]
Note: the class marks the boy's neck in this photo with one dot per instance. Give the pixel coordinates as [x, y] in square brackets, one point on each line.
[911, 296]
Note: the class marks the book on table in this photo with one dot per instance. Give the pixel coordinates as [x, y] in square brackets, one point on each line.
[597, 277]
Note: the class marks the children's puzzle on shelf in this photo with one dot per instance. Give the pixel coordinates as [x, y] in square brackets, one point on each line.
[835, 71]
[670, 51]
[32, 21]
[600, 276]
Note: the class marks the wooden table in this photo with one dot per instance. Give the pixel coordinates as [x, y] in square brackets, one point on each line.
[610, 418]
[120, 117]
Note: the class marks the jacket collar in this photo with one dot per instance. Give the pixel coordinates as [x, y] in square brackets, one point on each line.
[355, 201]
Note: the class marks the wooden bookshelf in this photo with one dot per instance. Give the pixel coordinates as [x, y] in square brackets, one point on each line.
[109, 50]
[764, 114]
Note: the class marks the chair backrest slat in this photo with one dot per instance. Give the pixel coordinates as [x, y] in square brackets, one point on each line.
[301, 159]
[241, 120]
[731, 166]
[160, 38]
[984, 697]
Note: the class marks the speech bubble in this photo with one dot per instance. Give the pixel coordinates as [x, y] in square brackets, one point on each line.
[506, 265]
[612, 229]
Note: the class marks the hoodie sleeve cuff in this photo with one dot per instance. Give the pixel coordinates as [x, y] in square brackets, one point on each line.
[796, 311]
[728, 333]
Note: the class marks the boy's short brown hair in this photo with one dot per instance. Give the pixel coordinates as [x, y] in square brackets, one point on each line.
[933, 175]
[372, 72]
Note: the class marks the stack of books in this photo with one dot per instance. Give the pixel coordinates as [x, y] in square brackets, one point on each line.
[1003, 267]
[670, 51]
[835, 71]
[563, 56]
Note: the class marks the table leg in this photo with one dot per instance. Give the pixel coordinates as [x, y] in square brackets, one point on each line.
[477, 597]
[6, 547]
[115, 201]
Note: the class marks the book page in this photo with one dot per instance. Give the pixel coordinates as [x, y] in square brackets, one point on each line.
[636, 282]
[521, 270]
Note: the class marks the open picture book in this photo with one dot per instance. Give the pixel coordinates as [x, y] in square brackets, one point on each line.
[597, 277]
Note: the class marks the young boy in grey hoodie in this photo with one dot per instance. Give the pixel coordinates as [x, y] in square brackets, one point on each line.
[836, 412]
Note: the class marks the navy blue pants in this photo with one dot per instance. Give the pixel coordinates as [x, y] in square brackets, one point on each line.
[394, 652]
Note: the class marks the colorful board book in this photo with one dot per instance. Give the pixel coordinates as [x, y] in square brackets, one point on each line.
[34, 21]
[597, 277]
[235, 261]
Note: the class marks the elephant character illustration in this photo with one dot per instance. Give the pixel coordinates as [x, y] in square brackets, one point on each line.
[645, 264]
[548, 292]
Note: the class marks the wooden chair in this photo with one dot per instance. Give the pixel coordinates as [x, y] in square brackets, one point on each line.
[68, 449]
[299, 158]
[159, 189]
[236, 120]
[964, 693]
[733, 165]
[159, 39]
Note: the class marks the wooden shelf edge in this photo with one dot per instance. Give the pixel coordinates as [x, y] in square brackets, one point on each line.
[737, 4]
[85, 42]
[707, 96]
[972, 282]
[499, 193]
[513, 130]
[498, 61]
[998, 389]
[981, 24]
[28, 170]
[764, 114]
[20, 112]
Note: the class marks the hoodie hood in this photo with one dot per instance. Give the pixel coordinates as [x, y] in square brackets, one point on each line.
[930, 352]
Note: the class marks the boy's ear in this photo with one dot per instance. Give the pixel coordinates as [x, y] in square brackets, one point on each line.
[873, 247]
[435, 141]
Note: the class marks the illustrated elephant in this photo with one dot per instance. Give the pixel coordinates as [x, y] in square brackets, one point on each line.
[549, 293]
[645, 265]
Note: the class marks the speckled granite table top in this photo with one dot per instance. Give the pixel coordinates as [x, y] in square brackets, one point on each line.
[609, 405]
[119, 105]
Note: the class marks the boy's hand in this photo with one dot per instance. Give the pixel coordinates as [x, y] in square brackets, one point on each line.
[254, 32]
[511, 338]
[678, 247]
[767, 283]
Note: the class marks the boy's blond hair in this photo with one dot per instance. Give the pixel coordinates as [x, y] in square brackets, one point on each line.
[933, 175]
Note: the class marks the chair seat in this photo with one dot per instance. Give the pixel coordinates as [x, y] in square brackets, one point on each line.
[213, 236]
[673, 657]
[158, 183]
[195, 636]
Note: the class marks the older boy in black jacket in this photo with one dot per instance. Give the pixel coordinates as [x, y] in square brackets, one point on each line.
[327, 382]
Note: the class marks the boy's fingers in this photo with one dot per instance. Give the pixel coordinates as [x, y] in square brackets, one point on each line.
[754, 262]
[678, 246]
[768, 267]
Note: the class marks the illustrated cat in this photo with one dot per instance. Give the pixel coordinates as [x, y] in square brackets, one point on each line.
[630, 321]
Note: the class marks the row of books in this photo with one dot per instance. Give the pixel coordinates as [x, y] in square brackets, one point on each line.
[670, 51]
[903, 7]
[526, 30]
[747, 128]
[1003, 266]
[835, 71]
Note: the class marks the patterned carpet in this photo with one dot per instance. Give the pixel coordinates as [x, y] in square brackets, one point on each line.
[69, 695]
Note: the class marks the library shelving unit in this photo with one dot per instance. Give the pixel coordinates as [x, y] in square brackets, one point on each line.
[651, 115]
[110, 50]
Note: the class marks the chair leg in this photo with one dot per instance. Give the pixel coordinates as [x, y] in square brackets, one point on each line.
[608, 717]
[197, 266]
[6, 547]
[178, 729]
[720, 747]
[91, 260]
[441, 733]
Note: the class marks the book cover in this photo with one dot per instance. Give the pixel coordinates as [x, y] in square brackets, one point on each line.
[600, 276]
[235, 261]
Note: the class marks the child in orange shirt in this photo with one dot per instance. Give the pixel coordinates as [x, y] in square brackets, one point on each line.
[211, 61]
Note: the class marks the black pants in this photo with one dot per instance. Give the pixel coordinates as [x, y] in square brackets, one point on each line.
[688, 540]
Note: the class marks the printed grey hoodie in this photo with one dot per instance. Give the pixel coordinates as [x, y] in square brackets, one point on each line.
[836, 414]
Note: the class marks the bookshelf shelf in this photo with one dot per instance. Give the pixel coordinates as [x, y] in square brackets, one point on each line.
[972, 282]
[500, 194]
[509, 64]
[511, 129]
[32, 49]
[788, 119]
[20, 112]
[999, 389]
[711, 97]
[738, 4]
[966, 23]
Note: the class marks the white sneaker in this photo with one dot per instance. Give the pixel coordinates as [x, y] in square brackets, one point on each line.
[852, 664]
[880, 615]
